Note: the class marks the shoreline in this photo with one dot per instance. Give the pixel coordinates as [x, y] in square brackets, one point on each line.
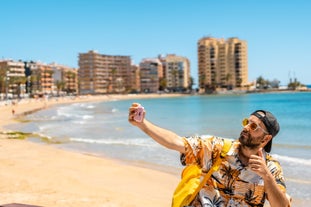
[28, 106]
[34, 170]
[45, 175]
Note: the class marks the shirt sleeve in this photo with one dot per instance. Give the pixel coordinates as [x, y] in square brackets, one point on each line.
[277, 172]
[200, 150]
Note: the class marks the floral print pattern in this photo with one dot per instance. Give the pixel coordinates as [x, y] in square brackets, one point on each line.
[233, 184]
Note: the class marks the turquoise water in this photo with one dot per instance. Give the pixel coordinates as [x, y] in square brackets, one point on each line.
[102, 128]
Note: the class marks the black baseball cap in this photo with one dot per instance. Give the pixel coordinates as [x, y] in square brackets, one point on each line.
[271, 124]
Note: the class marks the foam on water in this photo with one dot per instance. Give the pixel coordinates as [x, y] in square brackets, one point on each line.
[143, 142]
[103, 128]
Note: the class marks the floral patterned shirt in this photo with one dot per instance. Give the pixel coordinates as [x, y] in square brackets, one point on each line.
[233, 184]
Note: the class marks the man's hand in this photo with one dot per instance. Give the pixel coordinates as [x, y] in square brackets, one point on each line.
[257, 164]
[276, 197]
[132, 112]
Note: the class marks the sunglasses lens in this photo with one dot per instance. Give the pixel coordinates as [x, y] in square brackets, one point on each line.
[245, 122]
[253, 126]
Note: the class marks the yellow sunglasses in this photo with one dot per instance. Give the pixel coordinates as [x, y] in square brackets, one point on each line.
[252, 125]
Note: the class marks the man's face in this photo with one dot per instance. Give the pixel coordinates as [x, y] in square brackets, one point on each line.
[253, 133]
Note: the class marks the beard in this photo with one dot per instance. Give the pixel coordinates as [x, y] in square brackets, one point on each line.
[247, 140]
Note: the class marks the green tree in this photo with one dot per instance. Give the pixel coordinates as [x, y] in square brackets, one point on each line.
[162, 84]
[16, 82]
[294, 84]
[2, 80]
[261, 82]
[191, 83]
[60, 85]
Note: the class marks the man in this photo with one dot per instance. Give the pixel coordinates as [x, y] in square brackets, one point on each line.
[247, 176]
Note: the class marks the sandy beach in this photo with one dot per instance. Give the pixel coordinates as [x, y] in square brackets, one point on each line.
[43, 175]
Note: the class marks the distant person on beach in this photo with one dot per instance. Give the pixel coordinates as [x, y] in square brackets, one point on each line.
[247, 176]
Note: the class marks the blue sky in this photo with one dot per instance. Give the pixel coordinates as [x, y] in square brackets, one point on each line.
[278, 32]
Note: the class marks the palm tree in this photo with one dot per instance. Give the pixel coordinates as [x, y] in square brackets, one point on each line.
[70, 78]
[191, 83]
[261, 82]
[162, 84]
[60, 85]
[230, 175]
[17, 81]
[36, 81]
[250, 196]
[217, 201]
[2, 80]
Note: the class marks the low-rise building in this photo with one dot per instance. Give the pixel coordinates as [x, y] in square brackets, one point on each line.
[12, 78]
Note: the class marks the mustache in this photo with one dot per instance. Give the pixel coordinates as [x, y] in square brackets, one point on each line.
[244, 132]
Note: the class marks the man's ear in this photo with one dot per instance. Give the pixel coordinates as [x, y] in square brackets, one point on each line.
[266, 139]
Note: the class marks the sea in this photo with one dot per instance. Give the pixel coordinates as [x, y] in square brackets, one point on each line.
[102, 129]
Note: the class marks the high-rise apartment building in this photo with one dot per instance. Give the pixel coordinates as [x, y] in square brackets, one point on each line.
[170, 72]
[222, 63]
[150, 68]
[103, 73]
[176, 72]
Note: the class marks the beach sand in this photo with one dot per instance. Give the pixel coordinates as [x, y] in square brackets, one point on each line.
[43, 175]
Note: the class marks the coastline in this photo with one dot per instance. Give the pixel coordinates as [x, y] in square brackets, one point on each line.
[27, 106]
[43, 175]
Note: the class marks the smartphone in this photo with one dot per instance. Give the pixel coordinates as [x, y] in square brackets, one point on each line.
[139, 114]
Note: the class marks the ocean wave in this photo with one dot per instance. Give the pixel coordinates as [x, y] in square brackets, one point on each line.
[90, 107]
[293, 160]
[292, 146]
[83, 105]
[81, 122]
[87, 117]
[62, 113]
[44, 135]
[300, 181]
[130, 142]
